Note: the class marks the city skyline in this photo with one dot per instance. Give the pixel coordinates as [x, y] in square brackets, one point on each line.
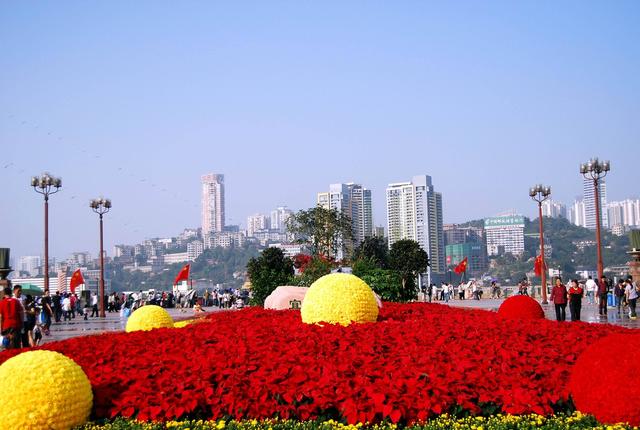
[485, 99]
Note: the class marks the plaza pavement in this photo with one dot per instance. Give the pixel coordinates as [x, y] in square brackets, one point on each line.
[113, 322]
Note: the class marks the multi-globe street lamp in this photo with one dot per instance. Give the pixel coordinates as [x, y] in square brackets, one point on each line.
[46, 185]
[540, 193]
[101, 206]
[595, 170]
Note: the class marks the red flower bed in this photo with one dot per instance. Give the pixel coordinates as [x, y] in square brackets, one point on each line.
[604, 382]
[417, 361]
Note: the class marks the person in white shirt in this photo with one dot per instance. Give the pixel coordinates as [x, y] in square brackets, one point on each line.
[66, 307]
[591, 289]
[631, 291]
[94, 305]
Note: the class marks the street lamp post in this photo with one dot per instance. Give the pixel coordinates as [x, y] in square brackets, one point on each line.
[46, 185]
[101, 206]
[595, 170]
[540, 193]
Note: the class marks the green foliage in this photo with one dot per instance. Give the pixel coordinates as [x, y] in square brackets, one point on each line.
[388, 285]
[315, 269]
[408, 259]
[267, 272]
[325, 230]
[375, 249]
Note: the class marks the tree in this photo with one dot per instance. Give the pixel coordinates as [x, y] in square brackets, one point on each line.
[388, 285]
[374, 249]
[408, 259]
[267, 272]
[325, 230]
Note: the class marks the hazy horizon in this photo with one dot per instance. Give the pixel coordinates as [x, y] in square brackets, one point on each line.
[136, 101]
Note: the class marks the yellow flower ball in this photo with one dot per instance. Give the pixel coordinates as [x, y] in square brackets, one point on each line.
[339, 298]
[149, 317]
[43, 390]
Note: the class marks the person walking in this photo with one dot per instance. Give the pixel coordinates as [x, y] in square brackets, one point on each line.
[631, 292]
[619, 294]
[30, 321]
[94, 305]
[559, 299]
[66, 307]
[603, 291]
[47, 312]
[575, 300]
[590, 285]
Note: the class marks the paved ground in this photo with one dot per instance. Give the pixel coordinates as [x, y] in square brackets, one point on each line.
[113, 322]
[589, 313]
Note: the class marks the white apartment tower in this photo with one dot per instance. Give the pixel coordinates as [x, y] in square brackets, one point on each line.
[589, 204]
[212, 204]
[553, 209]
[355, 201]
[624, 213]
[257, 222]
[279, 218]
[577, 213]
[414, 211]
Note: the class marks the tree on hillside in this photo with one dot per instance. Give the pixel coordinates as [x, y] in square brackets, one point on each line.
[408, 259]
[267, 272]
[325, 230]
[373, 249]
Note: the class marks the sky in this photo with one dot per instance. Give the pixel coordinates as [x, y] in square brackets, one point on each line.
[134, 101]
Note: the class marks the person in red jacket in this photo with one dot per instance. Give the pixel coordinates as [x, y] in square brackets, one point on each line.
[559, 299]
[575, 299]
[11, 319]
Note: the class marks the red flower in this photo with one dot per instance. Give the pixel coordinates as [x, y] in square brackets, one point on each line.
[604, 383]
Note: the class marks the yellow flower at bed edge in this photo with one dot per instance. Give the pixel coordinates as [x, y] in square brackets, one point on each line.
[149, 317]
[339, 298]
[43, 390]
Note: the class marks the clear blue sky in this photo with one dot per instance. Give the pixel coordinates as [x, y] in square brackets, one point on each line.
[135, 100]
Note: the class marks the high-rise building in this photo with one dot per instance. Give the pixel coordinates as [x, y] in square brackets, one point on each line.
[505, 234]
[279, 217]
[414, 211]
[624, 213]
[553, 209]
[455, 234]
[473, 252]
[355, 201]
[212, 204]
[194, 249]
[257, 222]
[577, 213]
[30, 264]
[589, 204]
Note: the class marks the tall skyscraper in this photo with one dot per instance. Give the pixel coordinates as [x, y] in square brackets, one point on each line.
[414, 211]
[355, 201]
[30, 264]
[212, 204]
[589, 204]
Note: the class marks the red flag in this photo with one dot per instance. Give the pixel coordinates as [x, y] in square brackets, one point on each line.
[537, 266]
[183, 275]
[76, 279]
[461, 267]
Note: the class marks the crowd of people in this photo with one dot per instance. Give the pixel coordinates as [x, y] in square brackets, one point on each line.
[470, 290]
[625, 293]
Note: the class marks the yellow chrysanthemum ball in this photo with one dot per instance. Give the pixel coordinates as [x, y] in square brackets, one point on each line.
[43, 390]
[339, 298]
[149, 317]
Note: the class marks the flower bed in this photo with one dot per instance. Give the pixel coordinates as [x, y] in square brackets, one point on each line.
[418, 361]
[498, 422]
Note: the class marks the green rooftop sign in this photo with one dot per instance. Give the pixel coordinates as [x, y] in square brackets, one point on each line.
[504, 221]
